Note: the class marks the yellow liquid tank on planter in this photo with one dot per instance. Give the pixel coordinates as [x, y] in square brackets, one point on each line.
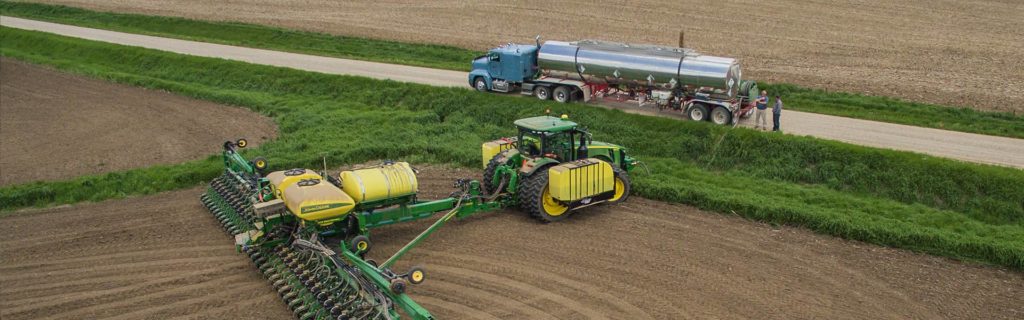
[315, 199]
[386, 181]
[281, 180]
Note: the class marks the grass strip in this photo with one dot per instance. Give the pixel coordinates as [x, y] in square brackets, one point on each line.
[453, 58]
[902, 199]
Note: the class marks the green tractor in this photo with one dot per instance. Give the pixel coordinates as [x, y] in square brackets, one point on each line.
[553, 167]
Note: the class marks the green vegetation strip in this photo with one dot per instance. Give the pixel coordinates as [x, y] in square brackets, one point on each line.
[934, 205]
[453, 58]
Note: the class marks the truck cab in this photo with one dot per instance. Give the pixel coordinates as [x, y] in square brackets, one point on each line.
[504, 67]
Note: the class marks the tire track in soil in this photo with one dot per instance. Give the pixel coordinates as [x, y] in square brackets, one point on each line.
[146, 257]
[642, 259]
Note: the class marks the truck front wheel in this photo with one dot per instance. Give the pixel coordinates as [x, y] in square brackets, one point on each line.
[542, 92]
[721, 116]
[479, 84]
[698, 112]
[563, 94]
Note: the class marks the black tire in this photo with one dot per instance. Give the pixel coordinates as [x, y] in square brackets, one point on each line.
[361, 244]
[242, 143]
[721, 116]
[531, 200]
[627, 184]
[416, 275]
[698, 112]
[479, 84]
[542, 92]
[489, 171]
[562, 94]
[398, 285]
[259, 163]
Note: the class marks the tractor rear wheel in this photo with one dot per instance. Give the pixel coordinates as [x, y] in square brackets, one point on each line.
[623, 186]
[536, 199]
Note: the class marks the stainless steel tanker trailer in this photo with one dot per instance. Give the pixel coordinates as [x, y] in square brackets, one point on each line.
[702, 87]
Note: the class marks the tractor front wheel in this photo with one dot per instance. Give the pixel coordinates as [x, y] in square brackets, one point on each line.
[623, 186]
[535, 198]
[492, 168]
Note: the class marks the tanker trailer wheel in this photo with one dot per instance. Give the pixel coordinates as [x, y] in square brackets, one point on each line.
[721, 116]
[698, 112]
[562, 94]
[479, 84]
[537, 200]
[542, 92]
[623, 186]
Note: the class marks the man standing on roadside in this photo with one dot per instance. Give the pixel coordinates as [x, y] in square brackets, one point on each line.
[776, 112]
[760, 118]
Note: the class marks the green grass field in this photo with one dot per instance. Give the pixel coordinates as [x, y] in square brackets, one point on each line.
[453, 58]
[944, 207]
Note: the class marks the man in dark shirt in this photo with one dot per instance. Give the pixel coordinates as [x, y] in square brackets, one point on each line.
[776, 113]
[760, 118]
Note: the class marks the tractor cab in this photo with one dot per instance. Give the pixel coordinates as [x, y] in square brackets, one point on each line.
[551, 137]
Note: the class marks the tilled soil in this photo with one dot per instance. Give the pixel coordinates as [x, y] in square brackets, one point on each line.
[164, 256]
[55, 126]
[955, 52]
[154, 257]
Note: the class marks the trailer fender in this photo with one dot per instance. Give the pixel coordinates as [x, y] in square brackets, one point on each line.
[531, 166]
[711, 105]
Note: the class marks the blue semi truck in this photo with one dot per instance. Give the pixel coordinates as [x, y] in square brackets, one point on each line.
[704, 88]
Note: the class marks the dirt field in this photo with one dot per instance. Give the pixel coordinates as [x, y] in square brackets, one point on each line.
[953, 52]
[56, 126]
[163, 256]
